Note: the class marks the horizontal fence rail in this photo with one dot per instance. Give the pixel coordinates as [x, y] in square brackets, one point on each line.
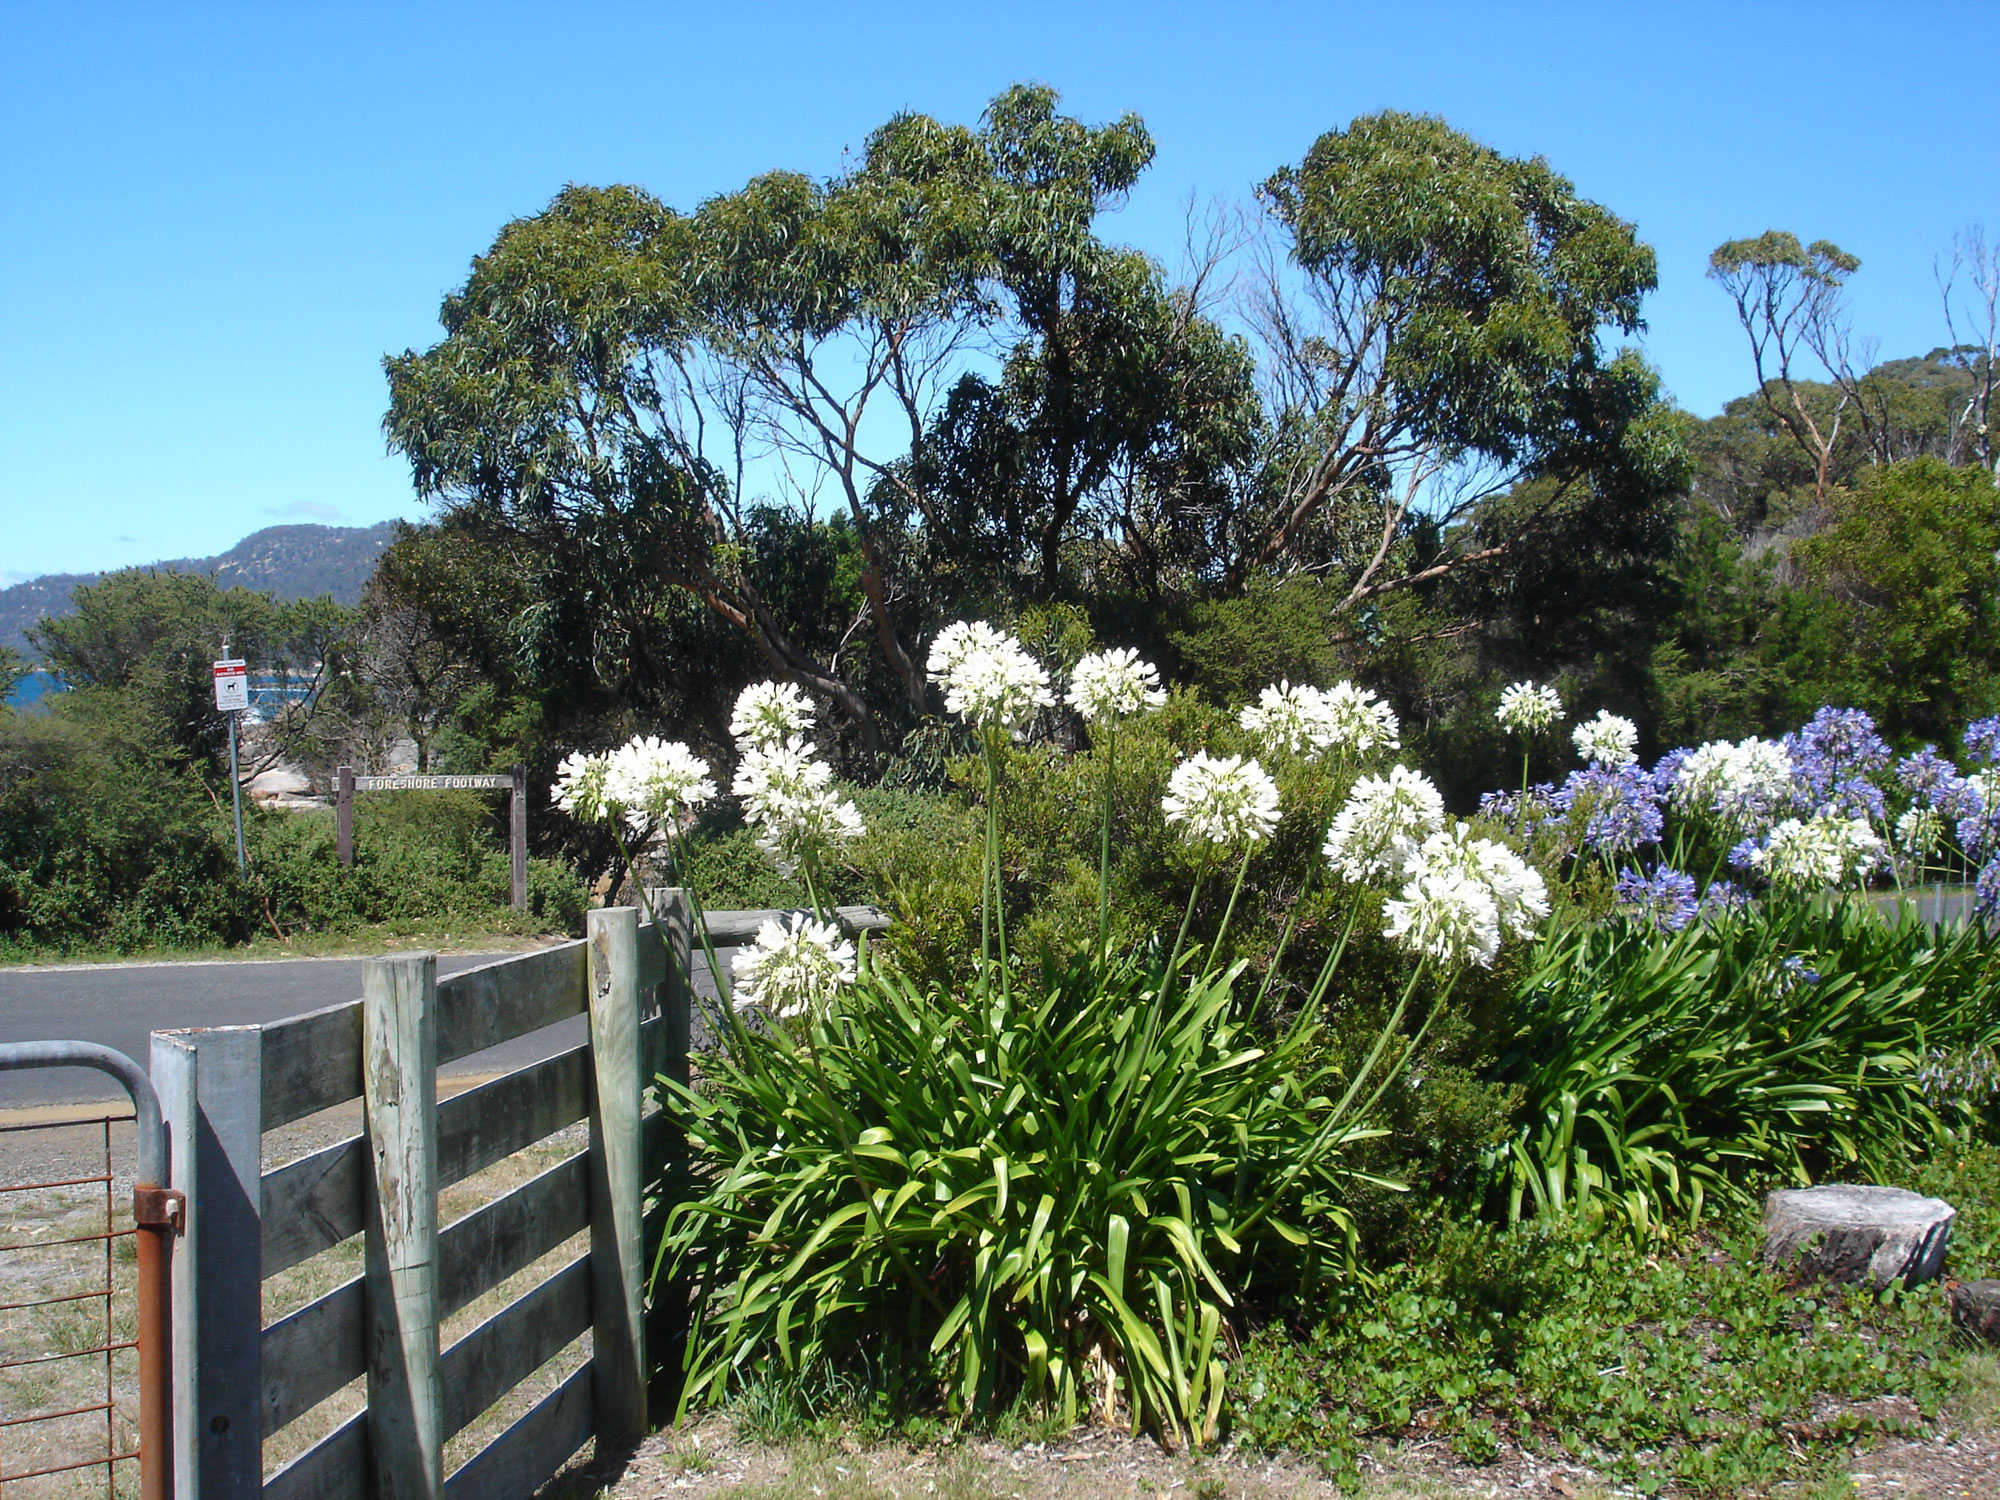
[240, 1381]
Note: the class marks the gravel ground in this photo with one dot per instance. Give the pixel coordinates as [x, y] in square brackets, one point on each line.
[707, 1459]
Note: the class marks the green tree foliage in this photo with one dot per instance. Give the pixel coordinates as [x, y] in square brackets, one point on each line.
[1441, 354]
[139, 646]
[1897, 612]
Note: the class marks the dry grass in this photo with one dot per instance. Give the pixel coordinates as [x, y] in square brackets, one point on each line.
[57, 1333]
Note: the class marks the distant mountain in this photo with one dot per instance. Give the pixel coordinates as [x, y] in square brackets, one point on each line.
[292, 562]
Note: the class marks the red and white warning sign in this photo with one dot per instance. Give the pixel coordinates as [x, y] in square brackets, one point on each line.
[232, 685]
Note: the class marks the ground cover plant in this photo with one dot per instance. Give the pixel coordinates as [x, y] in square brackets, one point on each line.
[1126, 1157]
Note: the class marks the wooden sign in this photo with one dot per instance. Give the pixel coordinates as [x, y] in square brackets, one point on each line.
[433, 783]
[346, 784]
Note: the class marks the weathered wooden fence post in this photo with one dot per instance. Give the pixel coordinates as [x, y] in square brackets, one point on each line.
[517, 836]
[211, 1088]
[667, 1057]
[399, 1100]
[343, 815]
[617, 1251]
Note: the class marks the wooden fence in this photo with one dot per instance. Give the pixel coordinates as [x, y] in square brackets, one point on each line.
[239, 1380]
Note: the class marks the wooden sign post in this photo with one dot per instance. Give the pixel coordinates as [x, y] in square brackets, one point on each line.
[346, 784]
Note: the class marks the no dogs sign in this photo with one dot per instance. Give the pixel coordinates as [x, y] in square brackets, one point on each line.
[232, 686]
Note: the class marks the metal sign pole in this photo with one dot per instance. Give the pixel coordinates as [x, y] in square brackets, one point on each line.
[236, 795]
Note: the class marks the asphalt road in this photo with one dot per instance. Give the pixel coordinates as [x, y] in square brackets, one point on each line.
[119, 1005]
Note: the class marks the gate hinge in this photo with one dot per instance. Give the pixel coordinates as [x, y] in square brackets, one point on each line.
[155, 1208]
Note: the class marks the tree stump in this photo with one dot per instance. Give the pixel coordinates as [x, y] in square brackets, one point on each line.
[1871, 1235]
[1975, 1308]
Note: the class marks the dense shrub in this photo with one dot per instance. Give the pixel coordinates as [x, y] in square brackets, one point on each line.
[110, 842]
[1681, 1364]
[1788, 1042]
[106, 842]
[1021, 1190]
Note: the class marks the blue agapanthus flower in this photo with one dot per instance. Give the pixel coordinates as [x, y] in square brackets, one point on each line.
[1932, 781]
[1669, 769]
[1842, 739]
[1795, 972]
[1664, 900]
[1832, 757]
[1987, 892]
[1620, 807]
[1982, 741]
[1722, 896]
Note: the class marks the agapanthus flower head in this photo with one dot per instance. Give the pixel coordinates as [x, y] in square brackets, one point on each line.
[1224, 801]
[769, 713]
[774, 773]
[1664, 900]
[1737, 784]
[1606, 740]
[1289, 720]
[1844, 739]
[1111, 685]
[579, 787]
[1919, 831]
[1808, 854]
[1794, 971]
[1667, 772]
[650, 779]
[1619, 806]
[795, 968]
[989, 680]
[1977, 801]
[1986, 891]
[1527, 709]
[1359, 720]
[1461, 896]
[1721, 898]
[1930, 779]
[1384, 821]
[966, 638]
[807, 827]
[1982, 741]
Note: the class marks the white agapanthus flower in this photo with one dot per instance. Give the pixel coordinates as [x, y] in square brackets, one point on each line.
[1734, 781]
[1527, 709]
[1223, 801]
[1607, 740]
[1289, 720]
[1464, 895]
[1111, 685]
[814, 823]
[772, 774]
[1361, 721]
[988, 678]
[769, 713]
[957, 644]
[794, 968]
[580, 786]
[650, 778]
[1385, 820]
[1919, 831]
[1803, 855]
[1447, 916]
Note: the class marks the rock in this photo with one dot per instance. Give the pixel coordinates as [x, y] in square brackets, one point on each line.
[1871, 1235]
[1975, 1308]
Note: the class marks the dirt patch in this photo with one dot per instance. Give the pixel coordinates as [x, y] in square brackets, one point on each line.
[709, 1459]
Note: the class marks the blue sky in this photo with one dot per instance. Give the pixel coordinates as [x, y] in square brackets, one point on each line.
[215, 220]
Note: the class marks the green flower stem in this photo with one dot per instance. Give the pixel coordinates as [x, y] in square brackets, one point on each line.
[1229, 911]
[1173, 960]
[1341, 1111]
[1104, 850]
[1332, 964]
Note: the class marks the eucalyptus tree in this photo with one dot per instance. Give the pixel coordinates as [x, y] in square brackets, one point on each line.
[647, 396]
[1440, 399]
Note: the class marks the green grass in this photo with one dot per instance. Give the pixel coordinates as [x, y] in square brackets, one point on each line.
[1678, 1365]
